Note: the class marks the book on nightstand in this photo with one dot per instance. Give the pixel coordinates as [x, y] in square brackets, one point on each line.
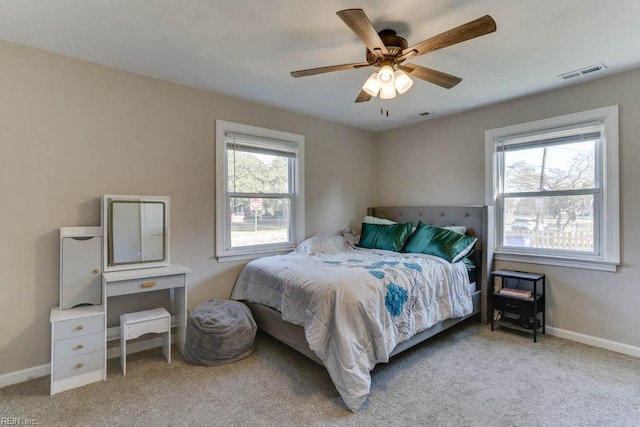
[516, 293]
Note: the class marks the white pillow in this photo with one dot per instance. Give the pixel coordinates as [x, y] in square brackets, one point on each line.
[351, 236]
[323, 244]
[460, 229]
[375, 220]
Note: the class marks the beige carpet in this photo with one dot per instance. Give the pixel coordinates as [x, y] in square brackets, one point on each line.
[468, 376]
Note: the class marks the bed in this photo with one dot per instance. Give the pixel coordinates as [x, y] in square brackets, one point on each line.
[350, 308]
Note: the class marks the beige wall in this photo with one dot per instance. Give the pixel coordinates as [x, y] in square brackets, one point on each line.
[71, 131]
[441, 162]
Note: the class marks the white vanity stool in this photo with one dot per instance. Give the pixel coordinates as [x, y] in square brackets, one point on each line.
[133, 325]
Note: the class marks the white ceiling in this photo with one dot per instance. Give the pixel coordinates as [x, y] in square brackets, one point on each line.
[246, 48]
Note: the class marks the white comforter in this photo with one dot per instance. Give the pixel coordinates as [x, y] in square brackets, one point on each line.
[356, 305]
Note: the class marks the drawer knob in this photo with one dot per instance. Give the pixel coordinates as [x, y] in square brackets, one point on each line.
[148, 284]
[79, 365]
[79, 346]
[96, 270]
[79, 327]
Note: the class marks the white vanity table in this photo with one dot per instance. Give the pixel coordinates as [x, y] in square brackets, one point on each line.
[134, 259]
[79, 335]
[172, 277]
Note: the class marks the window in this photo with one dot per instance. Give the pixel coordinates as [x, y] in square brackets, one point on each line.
[259, 200]
[554, 185]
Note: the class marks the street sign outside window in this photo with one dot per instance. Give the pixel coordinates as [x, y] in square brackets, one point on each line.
[255, 204]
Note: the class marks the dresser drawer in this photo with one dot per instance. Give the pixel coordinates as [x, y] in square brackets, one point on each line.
[147, 284]
[78, 327]
[77, 346]
[517, 305]
[78, 365]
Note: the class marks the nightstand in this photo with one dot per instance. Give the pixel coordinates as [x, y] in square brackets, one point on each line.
[519, 301]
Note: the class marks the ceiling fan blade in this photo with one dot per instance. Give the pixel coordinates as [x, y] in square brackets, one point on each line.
[360, 24]
[439, 78]
[464, 32]
[363, 96]
[329, 69]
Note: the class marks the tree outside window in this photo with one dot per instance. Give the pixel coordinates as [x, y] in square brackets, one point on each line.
[554, 184]
[259, 191]
[549, 195]
[264, 178]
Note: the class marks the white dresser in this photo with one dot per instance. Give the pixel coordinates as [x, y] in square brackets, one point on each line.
[78, 347]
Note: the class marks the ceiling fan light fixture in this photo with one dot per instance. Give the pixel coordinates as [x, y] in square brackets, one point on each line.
[385, 75]
[387, 92]
[402, 81]
[371, 86]
[388, 51]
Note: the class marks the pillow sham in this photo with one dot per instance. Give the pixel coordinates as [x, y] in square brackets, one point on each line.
[440, 242]
[460, 229]
[390, 237]
[323, 244]
[375, 220]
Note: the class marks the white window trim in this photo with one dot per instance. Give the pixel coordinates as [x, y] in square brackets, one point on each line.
[609, 258]
[223, 214]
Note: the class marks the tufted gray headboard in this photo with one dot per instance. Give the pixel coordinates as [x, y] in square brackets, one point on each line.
[479, 223]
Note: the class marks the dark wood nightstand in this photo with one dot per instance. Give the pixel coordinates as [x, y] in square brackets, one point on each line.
[520, 301]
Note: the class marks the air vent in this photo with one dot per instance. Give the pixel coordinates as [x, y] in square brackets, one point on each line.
[419, 115]
[582, 72]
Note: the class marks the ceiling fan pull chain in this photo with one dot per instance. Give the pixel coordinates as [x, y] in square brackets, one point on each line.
[383, 111]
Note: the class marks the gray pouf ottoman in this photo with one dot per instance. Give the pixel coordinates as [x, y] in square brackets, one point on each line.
[219, 331]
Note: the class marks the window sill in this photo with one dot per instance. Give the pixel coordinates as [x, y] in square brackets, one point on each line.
[586, 264]
[251, 256]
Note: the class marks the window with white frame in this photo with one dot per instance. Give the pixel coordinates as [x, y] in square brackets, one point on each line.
[554, 185]
[259, 200]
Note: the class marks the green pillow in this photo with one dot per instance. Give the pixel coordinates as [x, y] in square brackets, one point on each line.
[440, 242]
[388, 237]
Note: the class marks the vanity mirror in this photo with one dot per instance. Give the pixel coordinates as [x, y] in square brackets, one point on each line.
[135, 231]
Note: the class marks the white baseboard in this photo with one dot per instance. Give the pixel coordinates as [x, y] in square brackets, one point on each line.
[44, 370]
[135, 347]
[594, 341]
[24, 375]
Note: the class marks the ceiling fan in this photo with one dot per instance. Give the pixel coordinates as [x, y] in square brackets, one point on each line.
[388, 51]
